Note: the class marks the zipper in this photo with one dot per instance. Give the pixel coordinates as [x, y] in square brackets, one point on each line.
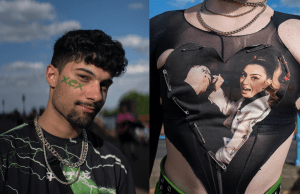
[213, 156]
[244, 138]
[283, 61]
[203, 141]
[176, 102]
[173, 97]
[192, 48]
[165, 76]
[258, 47]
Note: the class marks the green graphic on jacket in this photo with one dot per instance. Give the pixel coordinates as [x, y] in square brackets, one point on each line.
[84, 184]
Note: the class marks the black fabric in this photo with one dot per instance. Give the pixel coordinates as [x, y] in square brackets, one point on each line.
[55, 166]
[225, 55]
[23, 166]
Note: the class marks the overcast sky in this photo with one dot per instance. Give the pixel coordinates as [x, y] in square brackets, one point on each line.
[30, 28]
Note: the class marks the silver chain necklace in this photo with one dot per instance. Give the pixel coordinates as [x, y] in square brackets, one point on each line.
[227, 15]
[82, 158]
[201, 21]
[252, 4]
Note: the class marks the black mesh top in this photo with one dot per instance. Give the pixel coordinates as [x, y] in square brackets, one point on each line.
[227, 101]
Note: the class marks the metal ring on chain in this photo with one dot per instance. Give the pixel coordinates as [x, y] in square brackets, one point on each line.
[200, 19]
[82, 158]
[227, 15]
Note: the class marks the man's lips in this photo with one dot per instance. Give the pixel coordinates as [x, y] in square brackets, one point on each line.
[87, 108]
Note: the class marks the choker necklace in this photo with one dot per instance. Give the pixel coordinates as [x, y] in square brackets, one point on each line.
[200, 19]
[261, 3]
[227, 15]
[82, 158]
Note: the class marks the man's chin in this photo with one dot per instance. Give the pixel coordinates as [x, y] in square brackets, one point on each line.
[82, 122]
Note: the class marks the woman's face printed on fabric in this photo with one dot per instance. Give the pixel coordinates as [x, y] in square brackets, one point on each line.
[253, 80]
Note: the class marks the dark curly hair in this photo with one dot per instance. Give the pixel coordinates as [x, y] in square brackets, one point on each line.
[91, 46]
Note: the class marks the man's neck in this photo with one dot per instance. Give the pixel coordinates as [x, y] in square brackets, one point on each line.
[55, 124]
[226, 7]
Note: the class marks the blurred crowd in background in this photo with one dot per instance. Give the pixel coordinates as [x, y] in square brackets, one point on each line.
[108, 127]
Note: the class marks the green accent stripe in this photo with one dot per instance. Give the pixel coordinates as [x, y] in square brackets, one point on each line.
[157, 190]
[164, 175]
[275, 186]
[15, 128]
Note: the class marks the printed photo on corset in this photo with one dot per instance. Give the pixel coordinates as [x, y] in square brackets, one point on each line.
[260, 80]
[242, 90]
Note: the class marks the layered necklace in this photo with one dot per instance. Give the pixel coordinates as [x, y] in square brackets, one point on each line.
[247, 3]
[254, 5]
[81, 160]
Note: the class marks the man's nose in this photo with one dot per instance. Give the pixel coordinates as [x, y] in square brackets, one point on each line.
[94, 93]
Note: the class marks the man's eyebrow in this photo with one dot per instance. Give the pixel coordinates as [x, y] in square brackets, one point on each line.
[87, 71]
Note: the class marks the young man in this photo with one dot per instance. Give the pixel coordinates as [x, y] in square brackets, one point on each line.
[54, 153]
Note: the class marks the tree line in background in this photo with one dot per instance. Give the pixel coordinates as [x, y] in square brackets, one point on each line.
[132, 98]
[136, 102]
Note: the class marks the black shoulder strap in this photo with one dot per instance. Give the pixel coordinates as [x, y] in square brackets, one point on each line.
[55, 166]
[279, 18]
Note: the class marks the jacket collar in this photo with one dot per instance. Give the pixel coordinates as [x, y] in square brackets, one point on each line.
[255, 97]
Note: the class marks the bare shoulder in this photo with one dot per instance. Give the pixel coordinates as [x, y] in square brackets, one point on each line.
[289, 32]
[194, 9]
[190, 13]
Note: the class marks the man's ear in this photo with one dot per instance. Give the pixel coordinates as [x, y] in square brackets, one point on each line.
[52, 75]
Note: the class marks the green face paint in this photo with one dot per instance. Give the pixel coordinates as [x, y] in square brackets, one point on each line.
[65, 79]
[79, 86]
[72, 83]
